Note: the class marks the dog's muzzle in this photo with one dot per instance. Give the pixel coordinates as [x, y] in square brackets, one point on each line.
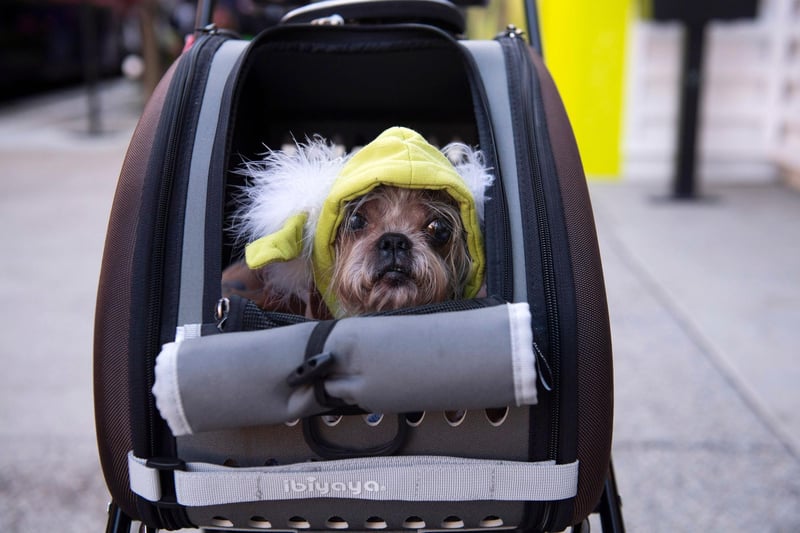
[394, 257]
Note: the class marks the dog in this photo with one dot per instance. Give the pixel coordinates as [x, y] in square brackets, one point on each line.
[395, 225]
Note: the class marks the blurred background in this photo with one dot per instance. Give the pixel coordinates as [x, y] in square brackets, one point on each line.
[617, 67]
[703, 283]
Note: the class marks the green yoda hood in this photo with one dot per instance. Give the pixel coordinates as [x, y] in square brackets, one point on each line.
[398, 157]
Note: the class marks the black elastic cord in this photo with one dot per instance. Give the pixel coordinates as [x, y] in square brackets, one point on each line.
[326, 450]
[315, 440]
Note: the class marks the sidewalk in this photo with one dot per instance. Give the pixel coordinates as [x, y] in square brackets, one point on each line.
[56, 187]
[705, 308]
[704, 300]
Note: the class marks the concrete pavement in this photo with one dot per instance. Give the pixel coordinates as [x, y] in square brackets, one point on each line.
[705, 308]
[704, 300]
[56, 186]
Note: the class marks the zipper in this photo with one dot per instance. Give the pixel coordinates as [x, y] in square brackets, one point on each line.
[516, 49]
[527, 140]
[179, 95]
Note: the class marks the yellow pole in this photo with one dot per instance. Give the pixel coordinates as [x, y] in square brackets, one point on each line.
[584, 45]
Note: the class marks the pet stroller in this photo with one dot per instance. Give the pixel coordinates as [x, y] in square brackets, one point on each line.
[448, 429]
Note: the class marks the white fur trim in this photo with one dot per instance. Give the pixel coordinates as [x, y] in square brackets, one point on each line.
[523, 361]
[167, 391]
[296, 179]
[471, 166]
[285, 183]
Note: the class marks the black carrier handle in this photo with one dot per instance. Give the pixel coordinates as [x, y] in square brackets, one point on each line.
[440, 13]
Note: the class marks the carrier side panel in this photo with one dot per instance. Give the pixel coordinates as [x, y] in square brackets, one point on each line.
[158, 257]
[112, 318]
[594, 365]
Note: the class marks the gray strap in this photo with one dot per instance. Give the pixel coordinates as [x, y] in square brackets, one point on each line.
[488, 55]
[191, 298]
[396, 478]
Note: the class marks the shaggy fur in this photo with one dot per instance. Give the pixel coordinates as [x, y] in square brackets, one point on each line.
[399, 248]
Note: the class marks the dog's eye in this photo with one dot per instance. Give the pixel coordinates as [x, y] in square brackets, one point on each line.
[439, 231]
[356, 222]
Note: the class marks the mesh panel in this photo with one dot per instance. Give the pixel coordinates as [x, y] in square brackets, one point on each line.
[595, 382]
[254, 318]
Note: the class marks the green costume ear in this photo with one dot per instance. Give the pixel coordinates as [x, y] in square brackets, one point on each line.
[283, 245]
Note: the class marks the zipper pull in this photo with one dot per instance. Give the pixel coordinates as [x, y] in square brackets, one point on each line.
[221, 312]
[213, 29]
[332, 20]
[512, 32]
[541, 364]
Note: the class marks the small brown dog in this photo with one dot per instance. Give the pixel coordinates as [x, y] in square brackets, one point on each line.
[395, 225]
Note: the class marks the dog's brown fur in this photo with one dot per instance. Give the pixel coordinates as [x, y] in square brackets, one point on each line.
[395, 248]
[399, 248]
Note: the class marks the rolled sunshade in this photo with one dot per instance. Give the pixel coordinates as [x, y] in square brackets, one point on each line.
[474, 359]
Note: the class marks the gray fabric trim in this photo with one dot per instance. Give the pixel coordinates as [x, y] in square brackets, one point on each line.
[145, 481]
[425, 363]
[394, 478]
[239, 379]
[488, 55]
[191, 295]
[474, 359]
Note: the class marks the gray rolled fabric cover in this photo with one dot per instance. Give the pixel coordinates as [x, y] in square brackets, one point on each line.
[473, 359]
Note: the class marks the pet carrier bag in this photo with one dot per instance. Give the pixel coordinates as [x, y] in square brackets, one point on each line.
[491, 413]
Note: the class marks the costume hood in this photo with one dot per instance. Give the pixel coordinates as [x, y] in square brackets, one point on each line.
[297, 200]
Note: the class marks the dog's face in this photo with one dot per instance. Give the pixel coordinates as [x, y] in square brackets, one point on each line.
[398, 248]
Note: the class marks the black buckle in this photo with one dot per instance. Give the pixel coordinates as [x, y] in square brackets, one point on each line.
[166, 467]
[317, 365]
[312, 369]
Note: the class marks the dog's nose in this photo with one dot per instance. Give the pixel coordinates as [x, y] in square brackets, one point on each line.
[393, 243]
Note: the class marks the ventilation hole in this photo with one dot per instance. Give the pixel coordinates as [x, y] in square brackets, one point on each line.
[231, 463]
[414, 522]
[373, 419]
[497, 416]
[455, 418]
[298, 522]
[452, 522]
[259, 522]
[415, 419]
[331, 420]
[375, 522]
[337, 522]
[491, 521]
[221, 521]
[293, 423]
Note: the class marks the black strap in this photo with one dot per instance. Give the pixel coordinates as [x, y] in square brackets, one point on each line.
[316, 441]
[322, 361]
[315, 348]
